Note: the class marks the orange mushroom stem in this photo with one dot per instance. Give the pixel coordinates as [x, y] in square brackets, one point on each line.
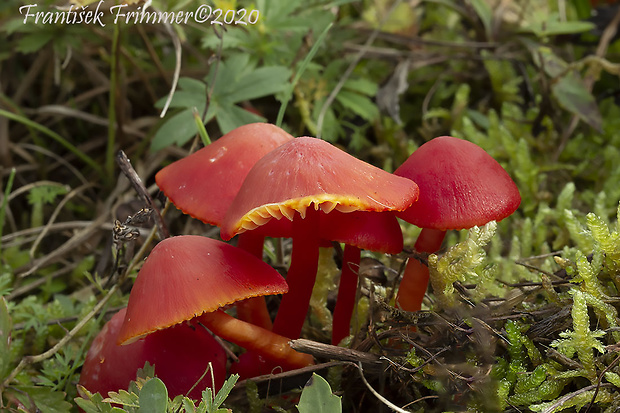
[265, 343]
[416, 276]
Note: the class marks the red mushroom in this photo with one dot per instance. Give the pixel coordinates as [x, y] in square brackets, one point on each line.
[461, 186]
[190, 278]
[372, 231]
[181, 355]
[204, 184]
[295, 181]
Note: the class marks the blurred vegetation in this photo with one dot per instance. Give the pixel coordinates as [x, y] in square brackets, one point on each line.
[524, 314]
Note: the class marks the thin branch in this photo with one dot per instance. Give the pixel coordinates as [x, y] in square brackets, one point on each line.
[136, 182]
[376, 393]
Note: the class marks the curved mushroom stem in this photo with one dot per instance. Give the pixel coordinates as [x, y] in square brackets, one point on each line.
[265, 343]
[346, 294]
[415, 278]
[253, 310]
[301, 275]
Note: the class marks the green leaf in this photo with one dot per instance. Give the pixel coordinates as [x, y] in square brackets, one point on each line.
[484, 12]
[359, 104]
[92, 402]
[361, 85]
[34, 41]
[228, 385]
[178, 129]
[234, 116]
[317, 397]
[123, 397]
[557, 27]
[263, 81]
[235, 80]
[45, 194]
[42, 399]
[572, 95]
[153, 397]
[191, 93]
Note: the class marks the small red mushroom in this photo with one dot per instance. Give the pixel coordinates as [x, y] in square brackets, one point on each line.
[180, 354]
[299, 180]
[205, 183]
[461, 186]
[190, 278]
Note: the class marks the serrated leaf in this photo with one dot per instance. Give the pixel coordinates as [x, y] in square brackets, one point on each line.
[45, 194]
[317, 397]
[572, 95]
[188, 405]
[42, 399]
[122, 397]
[92, 403]
[223, 393]
[153, 397]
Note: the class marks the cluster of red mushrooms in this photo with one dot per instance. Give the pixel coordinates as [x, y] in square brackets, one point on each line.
[316, 193]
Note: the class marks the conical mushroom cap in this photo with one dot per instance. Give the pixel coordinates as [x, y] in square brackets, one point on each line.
[204, 184]
[308, 171]
[189, 275]
[461, 186]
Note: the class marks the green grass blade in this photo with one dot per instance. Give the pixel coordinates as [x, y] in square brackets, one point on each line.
[5, 201]
[302, 68]
[202, 131]
[50, 133]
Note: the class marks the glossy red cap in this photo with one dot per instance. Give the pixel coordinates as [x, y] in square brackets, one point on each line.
[204, 184]
[310, 172]
[189, 275]
[461, 186]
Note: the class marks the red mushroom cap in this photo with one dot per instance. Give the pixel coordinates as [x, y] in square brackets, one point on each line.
[204, 184]
[308, 171]
[461, 186]
[181, 355]
[374, 231]
[186, 276]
